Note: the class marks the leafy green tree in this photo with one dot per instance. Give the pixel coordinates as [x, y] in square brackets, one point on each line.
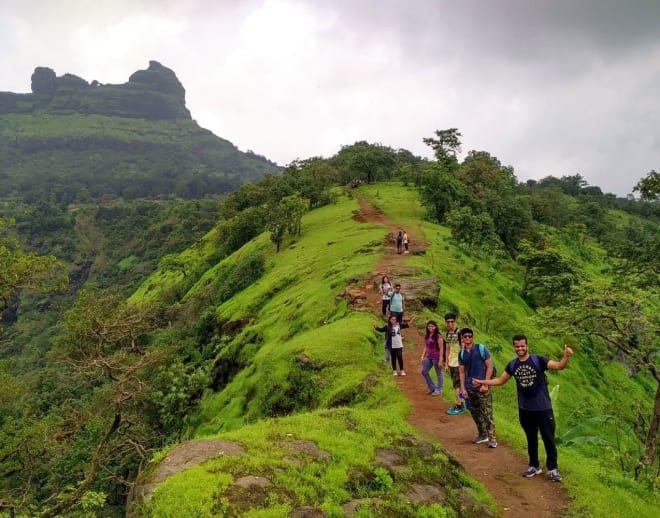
[104, 343]
[277, 223]
[247, 224]
[649, 186]
[625, 319]
[637, 253]
[445, 147]
[312, 178]
[365, 162]
[474, 229]
[286, 216]
[441, 191]
[26, 270]
[550, 206]
[549, 275]
[494, 185]
[295, 207]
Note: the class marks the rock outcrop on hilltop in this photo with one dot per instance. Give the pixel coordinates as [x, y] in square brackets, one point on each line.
[153, 94]
[70, 140]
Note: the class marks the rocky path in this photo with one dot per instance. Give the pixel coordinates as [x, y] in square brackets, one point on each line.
[498, 469]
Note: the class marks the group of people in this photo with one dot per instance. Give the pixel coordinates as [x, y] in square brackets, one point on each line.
[472, 373]
[402, 242]
[394, 300]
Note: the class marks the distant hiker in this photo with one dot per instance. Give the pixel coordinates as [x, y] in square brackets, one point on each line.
[385, 290]
[432, 357]
[399, 242]
[397, 303]
[475, 363]
[405, 242]
[534, 405]
[394, 342]
[452, 348]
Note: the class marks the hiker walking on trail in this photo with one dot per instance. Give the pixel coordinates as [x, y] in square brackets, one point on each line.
[534, 405]
[432, 357]
[452, 348]
[397, 303]
[394, 342]
[405, 242]
[385, 290]
[475, 364]
[399, 242]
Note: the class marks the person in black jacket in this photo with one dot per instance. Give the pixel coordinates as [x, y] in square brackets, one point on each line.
[394, 341]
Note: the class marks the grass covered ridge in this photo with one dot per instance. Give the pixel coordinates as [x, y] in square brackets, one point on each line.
[310, 372]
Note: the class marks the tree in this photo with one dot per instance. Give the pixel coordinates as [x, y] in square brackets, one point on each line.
[104, 344]
[312, 178]
[277, 224]
[445, 146]
[625, 319]
[471, 228]
[26, 270]
[550, 206]
[441, 191]
[494, 185]
[649, 186]
[365, 161]
[549, 275]
[295, 207]
[637, 255]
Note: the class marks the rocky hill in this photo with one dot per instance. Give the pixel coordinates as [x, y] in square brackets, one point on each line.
[153, 94]
[76, 139]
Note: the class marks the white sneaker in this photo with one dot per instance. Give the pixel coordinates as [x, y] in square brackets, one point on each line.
[403, 373]
[394, 373]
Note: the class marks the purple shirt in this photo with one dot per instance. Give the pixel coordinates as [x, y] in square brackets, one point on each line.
[432, 348]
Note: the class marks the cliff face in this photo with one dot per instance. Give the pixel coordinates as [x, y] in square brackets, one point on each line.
[152, 94]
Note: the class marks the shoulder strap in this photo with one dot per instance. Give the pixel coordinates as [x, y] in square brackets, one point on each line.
[482, 351]
[536, 361]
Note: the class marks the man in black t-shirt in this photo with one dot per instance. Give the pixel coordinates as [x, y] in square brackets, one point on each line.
[534, 405]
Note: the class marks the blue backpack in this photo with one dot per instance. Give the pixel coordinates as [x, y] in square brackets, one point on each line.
[482, 352]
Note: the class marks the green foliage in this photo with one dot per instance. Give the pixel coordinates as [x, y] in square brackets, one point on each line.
[366, 162]
[549, 275]
[70, 158]
[25, 270]
[441, 191]
[252, 333]
[471, 229]
[445, 147]
[649, 186]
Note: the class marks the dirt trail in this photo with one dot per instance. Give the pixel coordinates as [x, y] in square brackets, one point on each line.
[498, 469]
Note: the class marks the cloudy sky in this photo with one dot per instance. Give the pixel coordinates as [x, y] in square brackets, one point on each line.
[556, 87]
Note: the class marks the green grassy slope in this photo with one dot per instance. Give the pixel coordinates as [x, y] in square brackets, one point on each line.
[311, 372]
[78, 156]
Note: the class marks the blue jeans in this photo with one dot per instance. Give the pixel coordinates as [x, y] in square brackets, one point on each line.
[426, 367]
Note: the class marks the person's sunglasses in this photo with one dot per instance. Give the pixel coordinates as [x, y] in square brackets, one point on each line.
[467, 336]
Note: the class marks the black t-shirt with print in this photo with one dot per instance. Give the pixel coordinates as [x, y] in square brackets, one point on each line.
[531, 383]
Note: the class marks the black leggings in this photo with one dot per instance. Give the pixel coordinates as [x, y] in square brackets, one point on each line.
[532, 423]
[396, 355]
[386, 303]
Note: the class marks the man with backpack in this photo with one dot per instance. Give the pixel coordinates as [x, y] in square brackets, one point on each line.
[534, 405]
[475, 363]
[452, 350]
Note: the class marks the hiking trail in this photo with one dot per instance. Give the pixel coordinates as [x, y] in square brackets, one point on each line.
[499, 469]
